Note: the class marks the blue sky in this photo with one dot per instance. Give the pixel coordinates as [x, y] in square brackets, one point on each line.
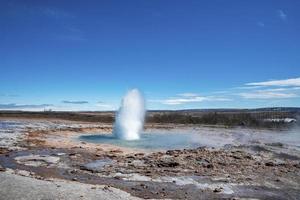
[85, 55]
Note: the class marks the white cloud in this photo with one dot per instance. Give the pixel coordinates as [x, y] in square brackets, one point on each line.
[282, 15]
[279, 83]
[186, 98]
[188, 94]
[13, 106]
[264, 94]
[248, 87]
[281, 89]
[179, 101]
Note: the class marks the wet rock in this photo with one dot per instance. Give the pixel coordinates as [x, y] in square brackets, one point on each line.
[96, 166]
[270, 164]
[116, 151]
[297, 165]
[275, 162]
[112, 156]
[236, 157]
[3, 150]
[2, 169]
[172, 152]
[222, 163]
[139, 154]
[218, 190]
[135, 189]
[74, 171]
[248, 157]
[275, 144]
[106, 187]
[143, 186]
[130, 157]
[74, 155]
[163, 163]
[204, 162]
[37, 160]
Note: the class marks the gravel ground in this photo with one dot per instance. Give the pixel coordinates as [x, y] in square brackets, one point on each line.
[45, 160]
[14, 187]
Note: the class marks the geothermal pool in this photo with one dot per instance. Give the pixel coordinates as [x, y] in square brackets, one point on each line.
[153, 140]
[204, 137]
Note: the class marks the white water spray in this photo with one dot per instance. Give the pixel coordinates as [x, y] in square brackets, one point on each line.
[130, 117]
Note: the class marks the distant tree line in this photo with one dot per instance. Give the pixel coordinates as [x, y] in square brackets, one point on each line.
[74, 116]
[247, 119]
[215, 118]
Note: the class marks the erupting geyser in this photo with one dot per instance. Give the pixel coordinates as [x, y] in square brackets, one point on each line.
[130, 117]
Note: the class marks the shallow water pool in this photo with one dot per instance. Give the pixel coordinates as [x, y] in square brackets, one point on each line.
[149, 140]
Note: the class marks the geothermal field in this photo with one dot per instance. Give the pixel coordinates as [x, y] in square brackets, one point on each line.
[149, 99]
[47, 155]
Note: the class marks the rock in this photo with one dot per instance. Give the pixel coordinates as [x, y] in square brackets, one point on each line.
[116, 151]
[3, 150]
[138, 163]
[139, 154]
[96, 166]
[210, 166]
[235, 157]
[276, 162]
[106, 187]
[23, 173]
[204, 162]
[2, 169]
[275, 144]
[222, 163]
[37, 160]
[270, 164]
[171, 152]
[130, 157]
[162, 163]
[74, 171]
[297, 165]
[218, 189]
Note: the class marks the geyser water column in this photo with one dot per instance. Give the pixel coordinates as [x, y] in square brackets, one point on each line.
[130, 117]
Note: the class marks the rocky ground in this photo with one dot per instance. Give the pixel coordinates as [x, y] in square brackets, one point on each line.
[44, 154]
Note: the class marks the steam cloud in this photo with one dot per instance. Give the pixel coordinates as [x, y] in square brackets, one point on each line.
[130, 117]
